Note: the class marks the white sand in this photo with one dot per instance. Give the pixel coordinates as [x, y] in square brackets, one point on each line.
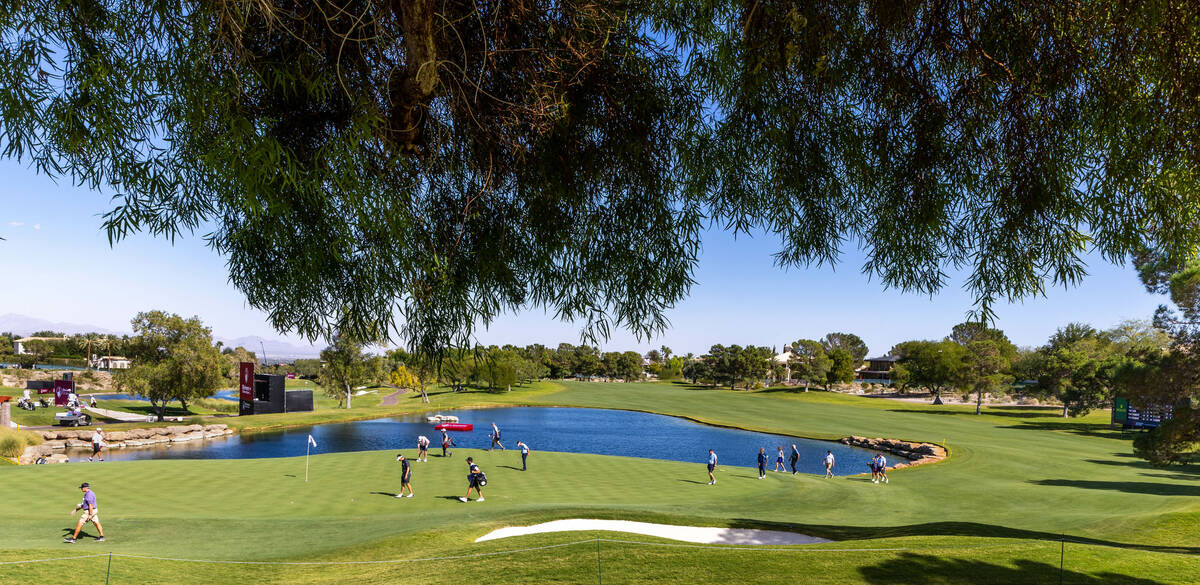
[700, 534]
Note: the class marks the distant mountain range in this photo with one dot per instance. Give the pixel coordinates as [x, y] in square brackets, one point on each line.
[276, 349]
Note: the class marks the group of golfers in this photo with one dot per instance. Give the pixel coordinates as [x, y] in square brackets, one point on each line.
[476, 479]
[878, 464]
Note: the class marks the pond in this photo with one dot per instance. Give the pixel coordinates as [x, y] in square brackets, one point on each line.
[572, 430]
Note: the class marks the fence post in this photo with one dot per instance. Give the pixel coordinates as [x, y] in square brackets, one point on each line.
[1062, 552]
[108, 571]
[599, 572]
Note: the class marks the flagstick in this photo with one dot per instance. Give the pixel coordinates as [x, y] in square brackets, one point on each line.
[307, 446]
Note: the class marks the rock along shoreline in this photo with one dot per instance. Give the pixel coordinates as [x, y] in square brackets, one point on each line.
[915, 453]
[57, 441]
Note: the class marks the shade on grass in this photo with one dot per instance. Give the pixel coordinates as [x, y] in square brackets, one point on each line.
[1017, 478]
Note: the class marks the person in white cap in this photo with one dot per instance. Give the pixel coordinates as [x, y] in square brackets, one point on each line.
[97, 444]
[422, 448]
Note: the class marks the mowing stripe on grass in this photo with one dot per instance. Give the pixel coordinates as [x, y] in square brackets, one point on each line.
[451, 558]
[52, 560]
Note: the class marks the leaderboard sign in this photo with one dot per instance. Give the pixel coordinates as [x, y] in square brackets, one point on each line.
[246, 388]
[1132, 416]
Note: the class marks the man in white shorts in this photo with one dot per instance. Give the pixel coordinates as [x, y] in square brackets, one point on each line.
[828, 464]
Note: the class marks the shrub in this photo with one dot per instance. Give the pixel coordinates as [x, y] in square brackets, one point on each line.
[13, 442]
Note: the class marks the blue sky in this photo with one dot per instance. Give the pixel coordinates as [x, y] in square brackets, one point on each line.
[57, 265]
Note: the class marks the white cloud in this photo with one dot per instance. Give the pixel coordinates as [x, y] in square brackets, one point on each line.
[37, 226]
[16, 223]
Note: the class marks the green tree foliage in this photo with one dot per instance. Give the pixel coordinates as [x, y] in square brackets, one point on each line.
[1157, 376]
[1153, 378]
[735, 364]
[985, 369]
[233, 358]
[307, 368]
[849, 342]
[841, 367]
[934, 365]
[1076, 367]
[697, 370]
[459, 159]
[810, 362]
[174, 358]
[345, 367]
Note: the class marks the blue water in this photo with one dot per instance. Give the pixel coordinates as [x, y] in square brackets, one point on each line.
[573, 430]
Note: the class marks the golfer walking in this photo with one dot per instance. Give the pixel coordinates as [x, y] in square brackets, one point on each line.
[496, 438]
[91, 513]
[828, 464]
[794, 458]
[97, 444]
[475, 481]
[447, 442]
[762, 463]
[880, 468]
[405, 476]
[712, 466]
[779, 460]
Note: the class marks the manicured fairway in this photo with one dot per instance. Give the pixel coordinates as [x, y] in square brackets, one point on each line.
[1017, 479]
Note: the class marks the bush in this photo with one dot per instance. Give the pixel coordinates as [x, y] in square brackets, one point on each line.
[13, 442]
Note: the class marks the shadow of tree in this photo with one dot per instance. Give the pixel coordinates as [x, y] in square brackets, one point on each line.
[1005, 411]
[920, 569]
[975, 529]
[1100, 430]
[1177, 472]
[1132, 487]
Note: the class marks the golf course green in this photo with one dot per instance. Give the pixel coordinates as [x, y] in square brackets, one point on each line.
[1023, 491]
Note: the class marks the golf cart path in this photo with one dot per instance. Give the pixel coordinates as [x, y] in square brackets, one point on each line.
[393, 398]
[117, 415]
[698, 534]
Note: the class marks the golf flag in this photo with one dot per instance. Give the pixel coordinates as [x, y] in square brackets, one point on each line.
[312, 441]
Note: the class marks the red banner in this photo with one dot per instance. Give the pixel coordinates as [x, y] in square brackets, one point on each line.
[62, 391]
[246, 391]
[291, 375]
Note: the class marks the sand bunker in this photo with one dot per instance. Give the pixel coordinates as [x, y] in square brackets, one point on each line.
[699, 534]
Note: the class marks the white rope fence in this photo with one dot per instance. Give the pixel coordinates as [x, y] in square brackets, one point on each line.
[597, 541]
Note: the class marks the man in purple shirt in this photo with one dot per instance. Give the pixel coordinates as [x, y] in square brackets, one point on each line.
[91, 513]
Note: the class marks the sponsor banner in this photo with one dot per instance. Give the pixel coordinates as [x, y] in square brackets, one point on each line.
[62, 392]
[246, 389]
